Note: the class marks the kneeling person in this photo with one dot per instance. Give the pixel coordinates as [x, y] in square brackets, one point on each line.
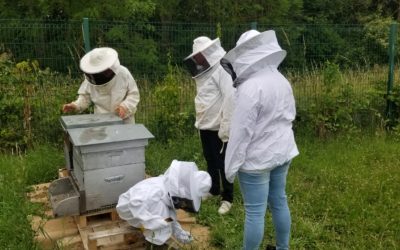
[151, 203]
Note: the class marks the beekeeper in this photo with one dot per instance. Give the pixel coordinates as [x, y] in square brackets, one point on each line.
[108, 85]
[213, 104]
[151, 203]
[262, 142]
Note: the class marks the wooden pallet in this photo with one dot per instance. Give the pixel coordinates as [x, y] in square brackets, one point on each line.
[100, 230]
[91, 231]
[104, 229]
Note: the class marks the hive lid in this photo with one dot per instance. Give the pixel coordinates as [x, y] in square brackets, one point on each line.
[108, 134]
[89, 120]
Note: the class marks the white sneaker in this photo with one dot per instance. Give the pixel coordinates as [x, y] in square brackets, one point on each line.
[206, 196]
[225, 207]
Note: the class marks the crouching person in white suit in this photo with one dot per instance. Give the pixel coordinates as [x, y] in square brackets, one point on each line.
[151, 203]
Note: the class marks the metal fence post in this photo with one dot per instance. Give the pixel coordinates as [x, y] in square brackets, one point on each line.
[392, 52]
[253, 25]
[85, 32]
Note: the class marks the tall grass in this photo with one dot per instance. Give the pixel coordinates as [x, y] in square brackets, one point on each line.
[31, 101]
[17, 173]
[343, 193]
[332, 101]
[308, 86]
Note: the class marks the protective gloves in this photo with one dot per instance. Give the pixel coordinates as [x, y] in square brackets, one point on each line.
[180, 234]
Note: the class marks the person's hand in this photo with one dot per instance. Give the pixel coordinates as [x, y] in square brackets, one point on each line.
[69, 107]
[121, 111]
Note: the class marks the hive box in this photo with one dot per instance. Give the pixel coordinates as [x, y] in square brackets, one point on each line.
[107, 161]
[83, 121]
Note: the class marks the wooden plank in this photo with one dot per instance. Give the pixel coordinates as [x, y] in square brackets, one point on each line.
[92, 244]
[95, 236]
[54, 228]
[50, 231]
[114, 231]
[110, 234]
[63, 172]
[38, 193]
[70, 242]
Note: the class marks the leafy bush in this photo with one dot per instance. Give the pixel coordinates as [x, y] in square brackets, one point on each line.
[329, 101]
[174, 117]
[30, 104]
[337, 107]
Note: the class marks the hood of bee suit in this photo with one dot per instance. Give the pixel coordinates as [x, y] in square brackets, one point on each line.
[185, 182]
[206, 54]
[253, 52]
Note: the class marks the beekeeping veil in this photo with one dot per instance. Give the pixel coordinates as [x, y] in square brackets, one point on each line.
[253, 52]
[206, 54]
[100, 65]
[186, 185]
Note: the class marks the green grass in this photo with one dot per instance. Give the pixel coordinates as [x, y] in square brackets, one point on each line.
[343, 193]
[160, 155]
[16, 175]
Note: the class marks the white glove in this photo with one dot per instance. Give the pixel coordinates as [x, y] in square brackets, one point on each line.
[180, 234]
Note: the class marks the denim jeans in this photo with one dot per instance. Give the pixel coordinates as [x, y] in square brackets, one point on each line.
[258, 189]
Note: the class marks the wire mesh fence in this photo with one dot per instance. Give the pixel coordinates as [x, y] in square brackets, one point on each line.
[143, 47]
[147, 49]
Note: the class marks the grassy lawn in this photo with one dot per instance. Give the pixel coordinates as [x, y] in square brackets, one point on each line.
[343, 193]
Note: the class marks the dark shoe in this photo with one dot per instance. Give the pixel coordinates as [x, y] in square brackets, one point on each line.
[269, 247]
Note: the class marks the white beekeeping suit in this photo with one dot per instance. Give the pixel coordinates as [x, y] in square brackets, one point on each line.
[213, 101]
[261, 135]
[108, 85]
[151, 203]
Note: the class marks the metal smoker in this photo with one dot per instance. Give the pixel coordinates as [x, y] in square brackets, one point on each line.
[104, 157]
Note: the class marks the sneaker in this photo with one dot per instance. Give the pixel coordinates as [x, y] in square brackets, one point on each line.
[225, 207]
[206, 196]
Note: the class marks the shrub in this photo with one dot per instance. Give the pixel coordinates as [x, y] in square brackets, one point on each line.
[30, 104]
[336, 106]
[174, 116]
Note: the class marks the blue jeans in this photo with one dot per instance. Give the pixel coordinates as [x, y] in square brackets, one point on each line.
[258, 189]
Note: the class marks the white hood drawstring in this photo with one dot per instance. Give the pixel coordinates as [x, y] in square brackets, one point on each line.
[222, 148]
